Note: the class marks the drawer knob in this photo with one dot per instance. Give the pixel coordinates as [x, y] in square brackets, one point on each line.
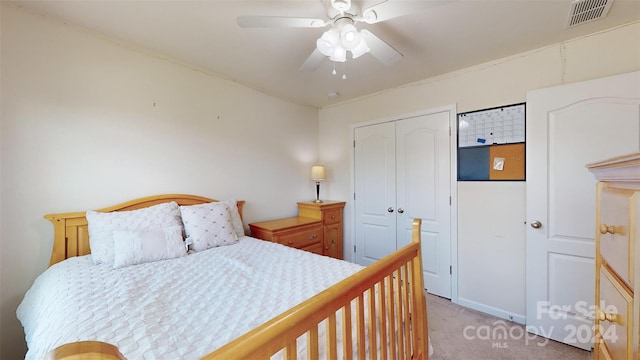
[604, 316]
[604, 228]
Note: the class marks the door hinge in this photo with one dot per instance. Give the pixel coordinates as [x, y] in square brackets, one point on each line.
[354, 248]
[354, 143]
[354, 196]
[450, 270]
[449, 200]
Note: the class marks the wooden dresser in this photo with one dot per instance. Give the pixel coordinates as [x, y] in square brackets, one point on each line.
[317, 228]
[617, 311]
[330, 213]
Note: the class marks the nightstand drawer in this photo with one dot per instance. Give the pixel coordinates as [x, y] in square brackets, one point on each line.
[297, 232]
[301, 237]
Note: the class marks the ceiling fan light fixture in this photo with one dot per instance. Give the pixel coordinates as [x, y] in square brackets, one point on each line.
[328, 42]
[360, 49]
[335, 44]
[349, 37]
[339, 54]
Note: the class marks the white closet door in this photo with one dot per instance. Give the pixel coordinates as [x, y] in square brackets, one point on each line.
[423, 173]
[402, 172]
[375, 188]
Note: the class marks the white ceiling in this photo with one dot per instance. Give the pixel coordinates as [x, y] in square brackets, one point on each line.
[447, 36]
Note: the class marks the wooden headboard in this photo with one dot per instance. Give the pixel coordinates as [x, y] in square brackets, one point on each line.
[70, 230]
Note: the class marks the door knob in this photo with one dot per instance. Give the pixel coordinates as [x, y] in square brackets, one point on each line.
[390, 209]
[536, 224]
[400, 210]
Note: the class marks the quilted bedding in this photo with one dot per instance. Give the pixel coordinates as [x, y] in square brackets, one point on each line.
[182, 308]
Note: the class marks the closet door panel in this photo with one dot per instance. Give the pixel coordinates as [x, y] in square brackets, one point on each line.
[375, 192]
[423, 189]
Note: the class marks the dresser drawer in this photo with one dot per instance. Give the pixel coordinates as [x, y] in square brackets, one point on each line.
[615, 246]
[301, 237]
[616, 333]
[332, 216]
[316, 249]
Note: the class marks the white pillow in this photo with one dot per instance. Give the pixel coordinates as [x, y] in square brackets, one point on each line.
[236, 220]
[208, 225]
[102, 226]
[142, 246]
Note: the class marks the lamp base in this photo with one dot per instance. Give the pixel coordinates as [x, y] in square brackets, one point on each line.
[317, 200]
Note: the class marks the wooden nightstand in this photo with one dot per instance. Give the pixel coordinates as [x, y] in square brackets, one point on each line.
[298, 232]
[330, 213]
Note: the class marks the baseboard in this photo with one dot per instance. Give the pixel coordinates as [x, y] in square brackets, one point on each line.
[517, 318]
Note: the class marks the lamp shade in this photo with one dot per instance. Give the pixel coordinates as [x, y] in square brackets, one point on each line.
[317, 173]
[339, 54]
[328, 42]
[360, 49]
[349, 37]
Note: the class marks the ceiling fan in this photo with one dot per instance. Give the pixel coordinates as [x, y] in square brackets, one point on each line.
[343, 37]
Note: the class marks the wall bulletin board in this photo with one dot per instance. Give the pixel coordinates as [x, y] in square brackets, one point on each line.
[491, 144]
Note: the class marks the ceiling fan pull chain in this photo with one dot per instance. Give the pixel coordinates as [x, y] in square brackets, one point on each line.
[344, 73]
[334, 68]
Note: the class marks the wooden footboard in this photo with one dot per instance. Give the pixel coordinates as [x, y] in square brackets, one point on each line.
[390, 316]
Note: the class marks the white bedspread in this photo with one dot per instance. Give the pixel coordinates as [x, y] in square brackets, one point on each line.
[181, 308]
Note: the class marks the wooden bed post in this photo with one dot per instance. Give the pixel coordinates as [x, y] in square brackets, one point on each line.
[420, 297]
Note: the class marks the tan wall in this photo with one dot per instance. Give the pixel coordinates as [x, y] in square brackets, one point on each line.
[88, 123]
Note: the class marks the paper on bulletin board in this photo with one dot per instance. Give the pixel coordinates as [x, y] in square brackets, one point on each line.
[507, 162]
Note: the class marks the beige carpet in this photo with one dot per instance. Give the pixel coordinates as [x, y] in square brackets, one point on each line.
[460, 333]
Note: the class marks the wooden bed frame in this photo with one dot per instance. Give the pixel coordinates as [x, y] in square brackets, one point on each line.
[391, 291]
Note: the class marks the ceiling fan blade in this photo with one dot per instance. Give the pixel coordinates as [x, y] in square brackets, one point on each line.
[313, 61]
[279, 21]
[380, 49]
[391, 9]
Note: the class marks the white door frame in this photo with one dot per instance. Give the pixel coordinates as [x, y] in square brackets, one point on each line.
[453, 158]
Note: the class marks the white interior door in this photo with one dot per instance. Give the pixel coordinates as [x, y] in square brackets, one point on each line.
[402, 172]
[375, 188]
[423, 179]
[567, 127]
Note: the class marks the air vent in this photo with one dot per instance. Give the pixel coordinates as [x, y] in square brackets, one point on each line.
[583, 11]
